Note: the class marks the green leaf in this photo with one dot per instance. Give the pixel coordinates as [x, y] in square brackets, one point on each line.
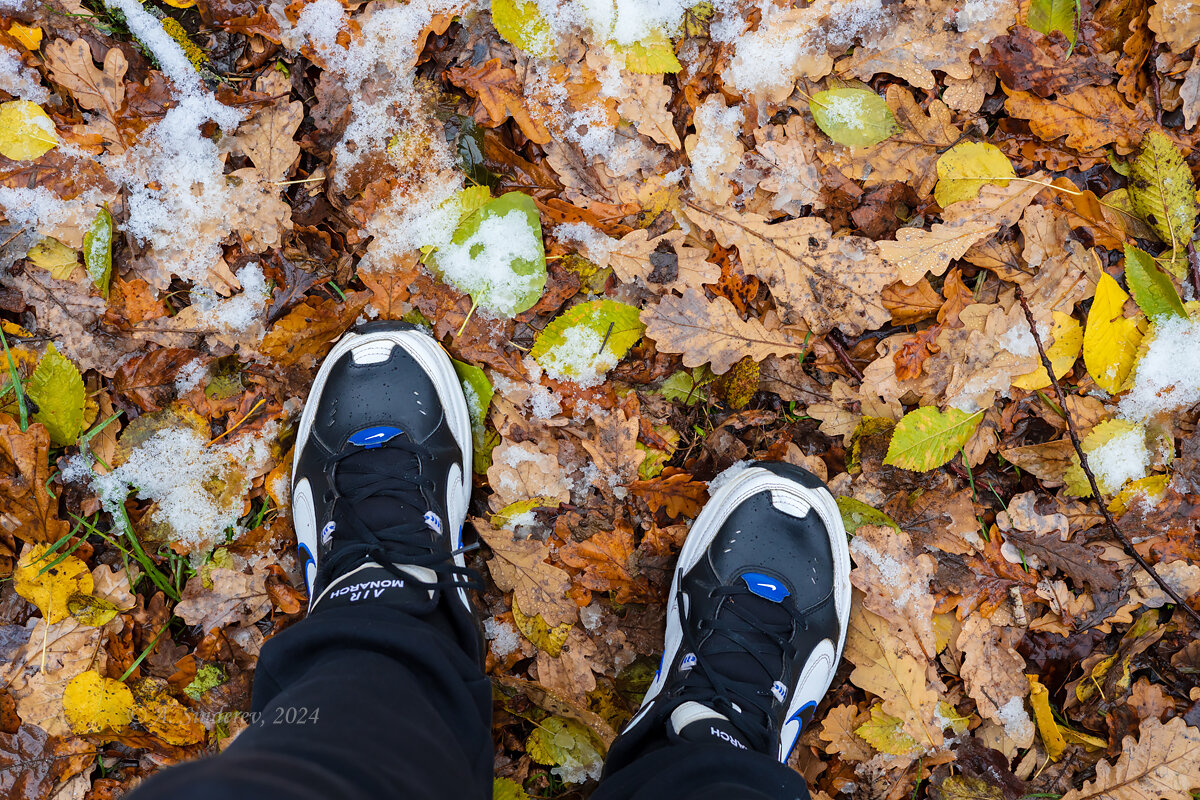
[653, 55]
[97, 250]
[687, 385]
[587, 341]
[51, 254]
[208, 677]
[479, 392]
[1053, 15]
[853, 117]
[965, 168]
[927, 438]
[1162, 190]
[856, 514]
[1151, 287]
[521, 24]
[496, 256]
[507, 789]
[57, 388]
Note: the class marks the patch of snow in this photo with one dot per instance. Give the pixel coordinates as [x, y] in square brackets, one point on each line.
[595, 245]
[726, 475]
[844, 110]
[716, 125]
[19, 80]
[190, 376]
[178, 469]
[1167, 377]
[503, 636]
[240, 312]
[582, 357]
[1015, 719]
[1018, 341]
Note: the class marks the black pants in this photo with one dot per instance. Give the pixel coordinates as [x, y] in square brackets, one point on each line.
[403, 712]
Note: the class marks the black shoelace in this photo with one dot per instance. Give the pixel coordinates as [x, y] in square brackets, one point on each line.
[371, 488]
[740, 660]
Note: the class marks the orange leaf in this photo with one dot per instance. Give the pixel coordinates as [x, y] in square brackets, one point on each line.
[678, 493]
[606, 561]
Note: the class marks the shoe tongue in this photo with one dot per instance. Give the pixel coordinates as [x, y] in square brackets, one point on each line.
[697, 723]
[730, 659]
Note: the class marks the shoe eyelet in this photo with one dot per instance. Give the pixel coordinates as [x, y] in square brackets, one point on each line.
[329, 497]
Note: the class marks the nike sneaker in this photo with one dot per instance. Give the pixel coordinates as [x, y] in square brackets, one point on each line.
[756, 620]
[382, 475]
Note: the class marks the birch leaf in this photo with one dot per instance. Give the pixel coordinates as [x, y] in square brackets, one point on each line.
[927, 438]
[1162, 190]
[1110, 339]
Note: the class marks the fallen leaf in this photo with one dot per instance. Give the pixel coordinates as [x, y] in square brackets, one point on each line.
[95, 704]
[608, 564]
[26, 132]
[234, 599]
[1162, 762]
[519, 566]
[679, 494]
[1110, 339]
[1090, 117]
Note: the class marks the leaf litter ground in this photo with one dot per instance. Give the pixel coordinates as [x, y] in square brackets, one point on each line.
[661, 241]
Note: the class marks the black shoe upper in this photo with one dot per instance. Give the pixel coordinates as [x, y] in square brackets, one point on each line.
[378, 458]
[752, 611]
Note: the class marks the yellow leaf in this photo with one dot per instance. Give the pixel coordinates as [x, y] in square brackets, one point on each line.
[53, 255]
[653, 55]
[93, 703]
[31, 38]
[965, 168]
[1068, 342]
[1039, 698]
[1110, 340]
[180, 3]
[162, 714]
[886, 734]
[51, 590]
[89, 610]
[1116, 451]
[520, 23]
[26, 132]
[1151, 488]
[537, 631]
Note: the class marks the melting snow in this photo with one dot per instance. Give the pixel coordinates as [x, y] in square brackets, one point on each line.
[1168, 375]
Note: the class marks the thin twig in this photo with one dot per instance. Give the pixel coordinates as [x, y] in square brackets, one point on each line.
[1108, 518]
[835, 342]
[1194, 268]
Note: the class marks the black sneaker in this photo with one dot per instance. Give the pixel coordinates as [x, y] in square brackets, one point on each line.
[756, 621]
[382, 475]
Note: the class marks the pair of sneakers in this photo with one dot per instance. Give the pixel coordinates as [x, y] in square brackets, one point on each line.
[757, 615]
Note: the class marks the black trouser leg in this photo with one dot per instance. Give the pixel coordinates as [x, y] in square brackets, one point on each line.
[689, 771]
[401, 712]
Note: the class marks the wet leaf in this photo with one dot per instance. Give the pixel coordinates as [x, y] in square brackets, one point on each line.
[965, 168]
[1053, 15]
[50, 587]
[1162, 190]
[95, 704]
[853, 117]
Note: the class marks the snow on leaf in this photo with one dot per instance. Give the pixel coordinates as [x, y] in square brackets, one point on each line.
[569, 746]
[927, 438]
[965, 168]
[496, 256]
[521, 23]
[97, 250]
[586, 341]
[853, 117]
[26, 131]
[1110, 339]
